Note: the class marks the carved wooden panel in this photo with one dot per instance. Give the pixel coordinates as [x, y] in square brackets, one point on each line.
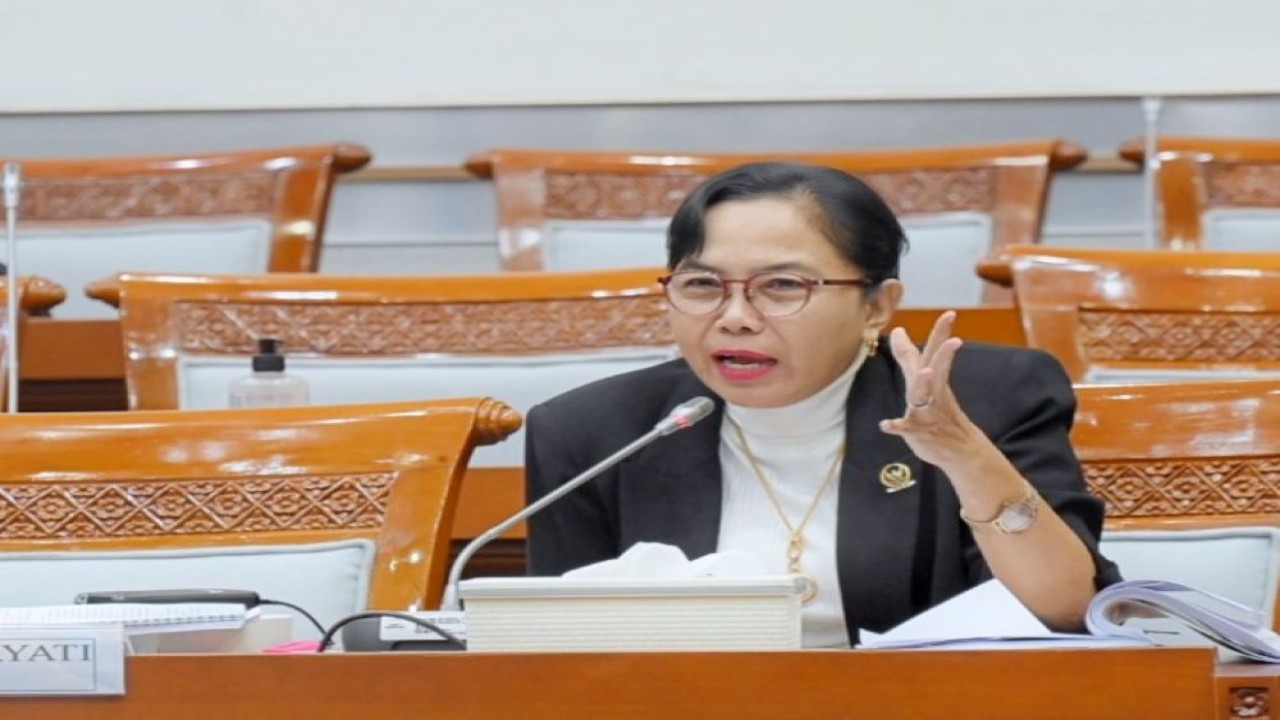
[148, 196]
[1172, 336]
[594, 196]
[409, 329]
[919, 192]
[63, 510]
[1241, 185]
[1253, 703]
[1158, 488]
[591, 196]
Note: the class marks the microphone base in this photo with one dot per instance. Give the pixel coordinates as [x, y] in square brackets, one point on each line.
[364, 635]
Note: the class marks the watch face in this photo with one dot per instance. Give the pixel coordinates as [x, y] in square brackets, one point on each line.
[1018, 516]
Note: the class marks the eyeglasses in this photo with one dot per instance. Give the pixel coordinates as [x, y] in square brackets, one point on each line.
[775, 294]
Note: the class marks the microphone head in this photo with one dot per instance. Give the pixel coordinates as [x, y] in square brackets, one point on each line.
[12, 182]
[687, 413]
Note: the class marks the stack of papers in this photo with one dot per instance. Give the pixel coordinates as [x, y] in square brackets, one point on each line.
[1127, 614]
[985, 617]
[136, 618]
[1170, 613]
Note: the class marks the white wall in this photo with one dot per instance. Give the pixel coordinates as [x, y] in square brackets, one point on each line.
[119, 55]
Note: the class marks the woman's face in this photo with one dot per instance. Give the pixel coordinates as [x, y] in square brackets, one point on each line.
[754, 360]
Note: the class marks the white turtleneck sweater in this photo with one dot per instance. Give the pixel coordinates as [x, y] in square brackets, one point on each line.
[794, 446]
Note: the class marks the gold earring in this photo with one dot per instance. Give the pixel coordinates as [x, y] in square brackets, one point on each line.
[872, 343]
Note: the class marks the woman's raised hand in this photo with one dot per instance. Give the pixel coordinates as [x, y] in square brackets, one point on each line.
[932, 423]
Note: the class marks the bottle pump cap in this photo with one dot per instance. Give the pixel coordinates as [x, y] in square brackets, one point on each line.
[268, 358]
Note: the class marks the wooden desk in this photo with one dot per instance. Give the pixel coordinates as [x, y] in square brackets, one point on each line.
[70, 365]
[1247, 691]
[1137, 684]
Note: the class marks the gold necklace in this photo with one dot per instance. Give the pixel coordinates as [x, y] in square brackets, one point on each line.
[795, 543]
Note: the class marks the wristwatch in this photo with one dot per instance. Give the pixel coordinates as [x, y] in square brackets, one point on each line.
[1014, 516]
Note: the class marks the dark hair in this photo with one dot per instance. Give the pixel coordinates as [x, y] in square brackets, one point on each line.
[853, 217]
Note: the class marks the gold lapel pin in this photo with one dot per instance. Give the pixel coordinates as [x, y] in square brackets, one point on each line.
[895, 477]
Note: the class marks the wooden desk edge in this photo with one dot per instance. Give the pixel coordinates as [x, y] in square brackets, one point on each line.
[1135, 684]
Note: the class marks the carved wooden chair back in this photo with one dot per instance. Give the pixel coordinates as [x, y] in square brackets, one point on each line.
[1189, 474]
[519, 337]
[333, 508]
[1216, 193]
[1128, 316]
[568, 210]
[238, 212]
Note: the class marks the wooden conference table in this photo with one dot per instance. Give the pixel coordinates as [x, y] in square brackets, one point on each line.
[1128, 684]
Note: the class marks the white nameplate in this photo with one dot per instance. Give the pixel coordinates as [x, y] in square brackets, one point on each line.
[67, 660]
[395, 629]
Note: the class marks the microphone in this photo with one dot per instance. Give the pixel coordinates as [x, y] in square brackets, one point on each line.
[247, 598]
[12, 181]
[12, 189]
[683, 416]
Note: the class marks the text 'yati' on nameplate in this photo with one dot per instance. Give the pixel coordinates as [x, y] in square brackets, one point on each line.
[64, 660]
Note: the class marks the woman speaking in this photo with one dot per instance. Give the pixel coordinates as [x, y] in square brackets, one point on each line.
[890, 477]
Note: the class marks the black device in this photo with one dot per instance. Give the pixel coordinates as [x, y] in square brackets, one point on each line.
[247, 598]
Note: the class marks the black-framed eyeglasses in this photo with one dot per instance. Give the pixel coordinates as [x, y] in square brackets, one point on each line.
[775, 294]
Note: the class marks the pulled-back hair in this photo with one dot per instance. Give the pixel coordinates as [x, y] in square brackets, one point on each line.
[852, 217]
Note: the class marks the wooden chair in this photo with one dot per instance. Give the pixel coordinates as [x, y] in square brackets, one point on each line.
[1189, 475]
[570, 210]
[1126, 316]
[519, 337]
[1216, 193]
[36, 296]
[333, 508]
[238, 212]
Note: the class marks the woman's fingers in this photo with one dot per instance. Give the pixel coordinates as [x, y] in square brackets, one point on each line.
[904, 351]
[943, 360]
[940, 333]
[919, 386]
[921, 390]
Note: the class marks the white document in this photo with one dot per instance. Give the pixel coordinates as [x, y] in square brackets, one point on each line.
[985, 617]
[1169, 613]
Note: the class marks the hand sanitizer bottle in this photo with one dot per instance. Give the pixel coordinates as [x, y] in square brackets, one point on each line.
[269, 386]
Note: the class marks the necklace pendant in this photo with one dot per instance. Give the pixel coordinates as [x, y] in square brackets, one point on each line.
[810, 588]
[795, 549]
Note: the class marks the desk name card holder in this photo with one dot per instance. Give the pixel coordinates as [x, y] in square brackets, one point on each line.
[62, 660]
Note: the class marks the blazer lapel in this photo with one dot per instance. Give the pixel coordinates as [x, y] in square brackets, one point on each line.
[680, 475]
[876, 530]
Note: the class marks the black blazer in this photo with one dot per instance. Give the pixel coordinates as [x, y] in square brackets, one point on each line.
[899, 553]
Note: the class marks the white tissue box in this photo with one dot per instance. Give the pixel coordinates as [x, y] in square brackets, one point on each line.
[704, 613]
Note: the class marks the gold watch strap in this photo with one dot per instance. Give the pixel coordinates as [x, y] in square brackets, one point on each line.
[1028, 497]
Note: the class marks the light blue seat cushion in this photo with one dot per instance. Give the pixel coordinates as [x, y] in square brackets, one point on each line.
[520, 382]
[1241, 229]
[330, 580]
[73, 257]
[939, 268]
[1238, 563]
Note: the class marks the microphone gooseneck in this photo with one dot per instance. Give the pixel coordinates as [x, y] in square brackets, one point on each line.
[683, 416]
